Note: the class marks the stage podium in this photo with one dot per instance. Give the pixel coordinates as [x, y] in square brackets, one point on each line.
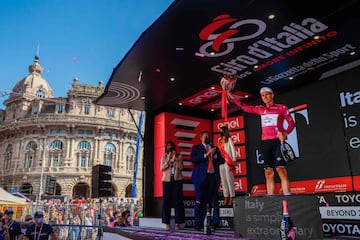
[260, 217]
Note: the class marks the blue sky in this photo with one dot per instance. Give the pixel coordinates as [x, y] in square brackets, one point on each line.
[76, 38]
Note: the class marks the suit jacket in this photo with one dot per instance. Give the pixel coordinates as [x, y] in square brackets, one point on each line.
[166, 168]
[200, 162]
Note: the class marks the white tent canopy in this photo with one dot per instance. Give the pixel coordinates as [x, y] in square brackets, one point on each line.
[7, 198]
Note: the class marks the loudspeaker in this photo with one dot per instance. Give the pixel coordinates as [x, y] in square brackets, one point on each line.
[260, 217]
[101, 181]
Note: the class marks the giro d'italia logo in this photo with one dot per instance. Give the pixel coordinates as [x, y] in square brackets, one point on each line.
[222, 42]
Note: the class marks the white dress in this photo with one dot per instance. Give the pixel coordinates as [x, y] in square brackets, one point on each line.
[227, 177]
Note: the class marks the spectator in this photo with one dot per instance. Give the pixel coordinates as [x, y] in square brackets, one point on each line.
[126, 216]
[114, 218]
[119, 221]
[39, 230]
[28, 220]
[88, 223]
[13, 226]
[74, 233]
[5, 229]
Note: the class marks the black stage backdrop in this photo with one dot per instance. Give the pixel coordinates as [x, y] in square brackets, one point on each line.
[327, 136]
[349, 97]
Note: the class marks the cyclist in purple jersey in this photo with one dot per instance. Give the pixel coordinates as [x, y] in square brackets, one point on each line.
[273, 132]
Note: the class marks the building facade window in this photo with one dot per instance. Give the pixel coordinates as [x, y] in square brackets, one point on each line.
[30, 154]
[59, 108]
[8, 157]
[86, 109]
[40, 93]
[109, 154]
[56, 154]
[111, 112]
[130, 155]
[36, 109]
[83, 157]
[85, 132]
[57, 131]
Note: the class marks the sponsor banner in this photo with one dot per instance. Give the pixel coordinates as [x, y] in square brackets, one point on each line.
[188, 190]
[240, 184]
[238, 137]
[339, 199]
[349, 103]
[226, 213]
[189, 212]
[343, 228]
[233, 123]
[258, 190]
[223, 212]
[240, 152]
[339, 184]
[212, 106]
[187, 164]
[215, 105]
[337, 212]
[224, 222]
[202, 96]
[340, 213]
[356, 183]
[260, 217]
[187, 175]
[240, 168]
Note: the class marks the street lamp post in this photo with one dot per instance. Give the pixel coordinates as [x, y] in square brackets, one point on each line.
[42, 168]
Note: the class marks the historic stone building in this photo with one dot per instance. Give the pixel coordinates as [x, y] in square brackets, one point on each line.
[46, 138]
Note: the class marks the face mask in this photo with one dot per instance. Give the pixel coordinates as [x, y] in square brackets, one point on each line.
[207, 140]
[169, 150]
[40, 220]
[129, 219]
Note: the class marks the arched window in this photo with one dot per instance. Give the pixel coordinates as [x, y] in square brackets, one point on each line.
[26, 188]
[56, 154]
[40, 93]
[8, 157]
[30, 154]
[84, 151]
[109, 154]
[130, 155]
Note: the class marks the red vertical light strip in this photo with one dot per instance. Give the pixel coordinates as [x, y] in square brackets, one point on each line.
[159, 148]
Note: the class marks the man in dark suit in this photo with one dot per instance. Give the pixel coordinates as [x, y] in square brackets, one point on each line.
[205, 175]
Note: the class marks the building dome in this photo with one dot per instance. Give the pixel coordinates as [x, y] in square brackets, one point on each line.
[33, 84]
